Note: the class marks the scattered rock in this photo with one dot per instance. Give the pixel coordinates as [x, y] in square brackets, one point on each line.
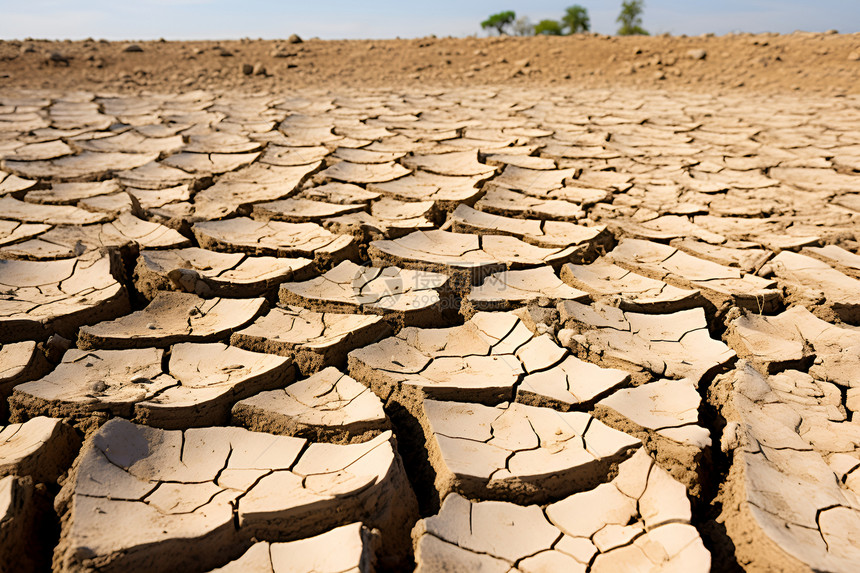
[57, 58]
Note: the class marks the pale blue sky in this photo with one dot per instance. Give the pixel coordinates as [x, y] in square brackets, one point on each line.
[223, 19]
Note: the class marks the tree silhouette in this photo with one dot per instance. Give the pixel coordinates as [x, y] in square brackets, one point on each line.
[524, 27]
[500, 21]
[576, 19]
[548, 28]
[630, 18]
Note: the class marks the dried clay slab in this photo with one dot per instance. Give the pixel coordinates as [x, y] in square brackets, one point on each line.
[719, 284]
[664, 229]
[145, 498]
[797, 339]
[127, 232]
[275, 238]
[313, 340]
[350, 548]
[843, 260]
[210, 273]
[42, 298]
[87, 165]
[358, 155]
[830, 293]
[154, 175]
[445, 191]
[19, 362]
[518, 205]
[363, 173]
[173, 317]
[301, 210]
[15, 232]
[219, 142]
[19, 527]
[533, 231]
[556, 379]
[638, 521]
[675, 345]
[71, 193]
[746, 256]
[468, 259]
[292, 156]
[456, 163]
[388, 219]
[668, 407]
[329, 406]
[25, 212]
[131, 141]
[536, 182]
[12, 183]
[475, 362]
[786, 507]
[616, 286]
[664, 414]
[197, 386]
[521, 453]
[155, 198]
[209, 163]
[508, 290]
[405, 297]
[339, 193]
[237, 191]
[42, 448]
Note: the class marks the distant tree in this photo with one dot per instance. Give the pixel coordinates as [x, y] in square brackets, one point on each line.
[499, 22]
[576, 19]
[630, 18]
[524, 27]
[549, 28]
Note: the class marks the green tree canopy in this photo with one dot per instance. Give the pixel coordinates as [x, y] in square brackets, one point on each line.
[549, 28]
[499, 22]
[630, 18]
[576, 19]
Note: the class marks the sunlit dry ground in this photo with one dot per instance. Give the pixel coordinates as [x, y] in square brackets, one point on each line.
[454, 328]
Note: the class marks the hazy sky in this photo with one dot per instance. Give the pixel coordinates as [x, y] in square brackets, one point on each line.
[223, 19]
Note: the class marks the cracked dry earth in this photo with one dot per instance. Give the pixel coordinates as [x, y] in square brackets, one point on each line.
[462, 330]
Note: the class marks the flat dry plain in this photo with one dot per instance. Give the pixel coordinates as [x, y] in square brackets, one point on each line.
[537, 305]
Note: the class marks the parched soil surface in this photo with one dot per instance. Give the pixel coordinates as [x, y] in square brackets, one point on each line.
[353, 315]
[821, 63]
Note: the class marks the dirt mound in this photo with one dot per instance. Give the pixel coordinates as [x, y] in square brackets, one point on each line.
[827, 63]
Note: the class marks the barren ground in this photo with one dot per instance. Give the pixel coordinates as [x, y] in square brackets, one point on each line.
[509, 304]
[820, 63]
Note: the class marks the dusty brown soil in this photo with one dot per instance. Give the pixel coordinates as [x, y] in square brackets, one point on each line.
[673, 223]
[824, 63]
